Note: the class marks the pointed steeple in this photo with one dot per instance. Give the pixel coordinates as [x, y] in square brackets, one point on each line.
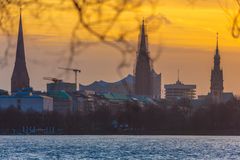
[216, 78]
[217, 49]
[178, 76]
[20, 78]
[143, 70]
[143, 39]
[217, 56]
[20, 43]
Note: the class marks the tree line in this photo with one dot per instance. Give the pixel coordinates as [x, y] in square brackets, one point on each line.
[179, 118]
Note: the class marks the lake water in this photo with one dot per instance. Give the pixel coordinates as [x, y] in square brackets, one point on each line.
[119, 147]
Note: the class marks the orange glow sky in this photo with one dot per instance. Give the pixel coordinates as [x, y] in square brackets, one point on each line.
[187, 42]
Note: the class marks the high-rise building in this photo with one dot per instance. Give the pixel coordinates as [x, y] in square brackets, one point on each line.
[179, 91]
[20, 78]
[216, 79]
[147, 82]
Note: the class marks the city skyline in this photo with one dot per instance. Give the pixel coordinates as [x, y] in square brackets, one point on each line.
[182, 56]
[100, 79]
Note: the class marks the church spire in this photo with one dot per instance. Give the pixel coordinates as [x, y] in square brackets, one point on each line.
[217, 57]
[217, 49]
[20, 78]
[143, 39]
[20, 43]
[217, 78]
[143, 70]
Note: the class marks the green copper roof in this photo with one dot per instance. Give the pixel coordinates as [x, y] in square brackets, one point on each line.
[116, 97]
[59, 95]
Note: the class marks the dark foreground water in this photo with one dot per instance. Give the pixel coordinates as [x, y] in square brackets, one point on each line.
[119, 147]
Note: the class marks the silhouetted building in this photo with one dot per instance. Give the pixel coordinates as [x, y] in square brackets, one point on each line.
[216, 79]
[62, 101]
[216, 94]
[156, 85]
[60, 85]
[124, 86]
[143, 70]
[147, 82]
[179, 91]
[3, 92]
[26, 101]
[20, 78]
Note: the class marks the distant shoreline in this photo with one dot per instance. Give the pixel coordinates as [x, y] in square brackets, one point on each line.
[163, 133]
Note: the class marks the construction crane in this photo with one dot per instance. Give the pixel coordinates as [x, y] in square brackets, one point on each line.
[76, 71]
[55, 80]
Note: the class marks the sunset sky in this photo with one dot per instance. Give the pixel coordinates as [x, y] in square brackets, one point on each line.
[186, 40]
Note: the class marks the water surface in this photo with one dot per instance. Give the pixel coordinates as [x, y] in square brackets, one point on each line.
[119, 147]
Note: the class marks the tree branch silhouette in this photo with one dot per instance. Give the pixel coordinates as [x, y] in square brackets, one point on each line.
[235, 25]
[91, 14]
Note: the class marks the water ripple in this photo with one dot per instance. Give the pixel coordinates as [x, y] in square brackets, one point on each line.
[119, 147]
